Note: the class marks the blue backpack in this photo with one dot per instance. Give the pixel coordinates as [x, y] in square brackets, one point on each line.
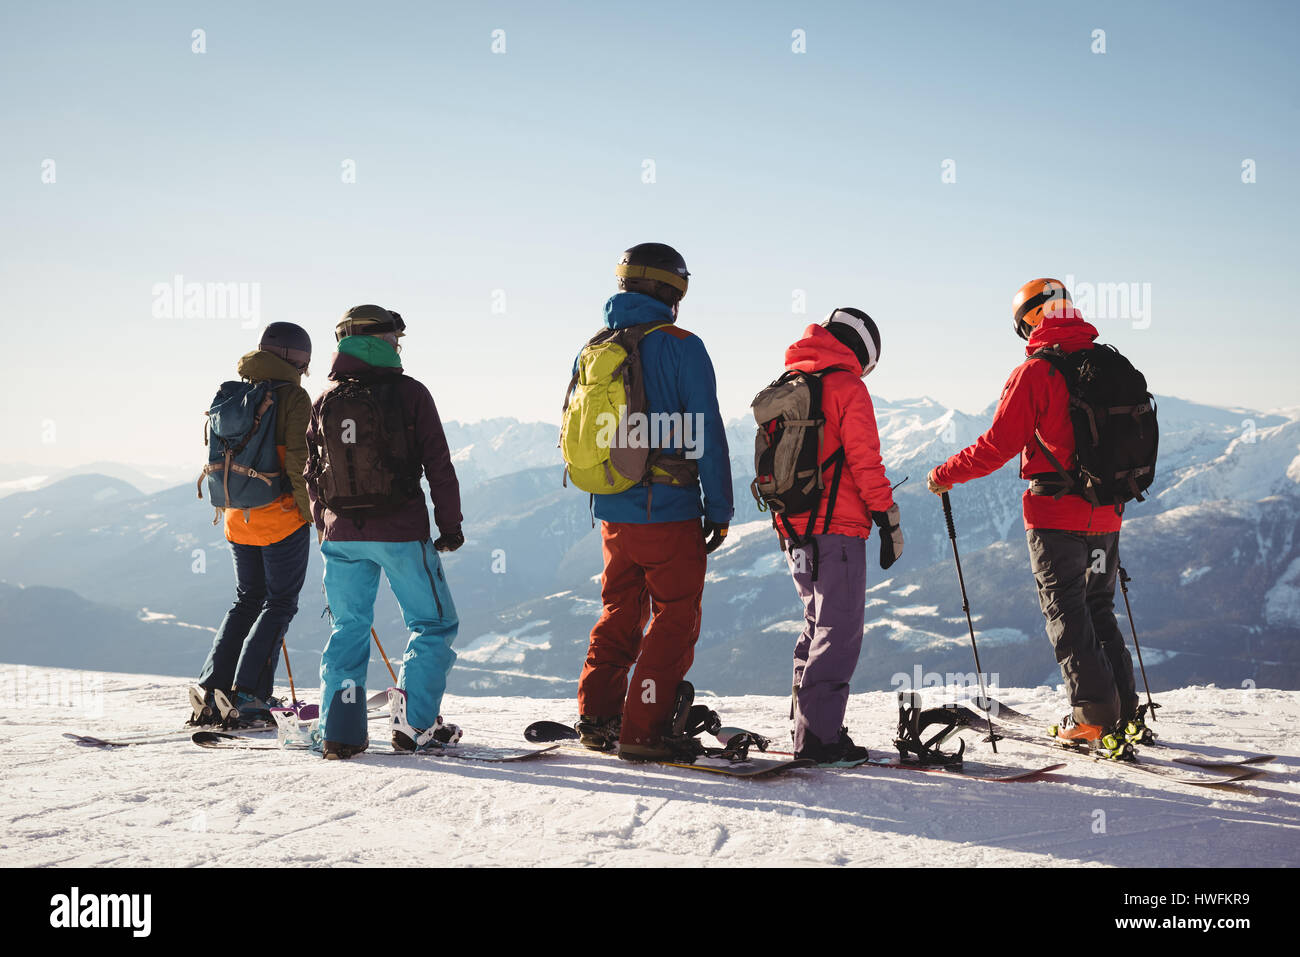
[243, 469]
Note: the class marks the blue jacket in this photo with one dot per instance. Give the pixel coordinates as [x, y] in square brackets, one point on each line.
[678, 378]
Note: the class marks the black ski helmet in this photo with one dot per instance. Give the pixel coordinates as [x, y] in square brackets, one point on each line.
[291, 343]
[369, 320]
[654, 269]
[855, 329]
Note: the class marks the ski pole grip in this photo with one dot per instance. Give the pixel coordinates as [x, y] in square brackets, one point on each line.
[947, 517]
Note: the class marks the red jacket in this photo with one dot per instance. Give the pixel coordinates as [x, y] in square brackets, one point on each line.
[850, 422]
[1035, 399]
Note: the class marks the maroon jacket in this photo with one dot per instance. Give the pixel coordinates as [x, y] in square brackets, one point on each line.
[410, 523]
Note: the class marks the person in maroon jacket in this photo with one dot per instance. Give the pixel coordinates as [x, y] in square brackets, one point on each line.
[363, 478]
[1073, 546]
[830, 574]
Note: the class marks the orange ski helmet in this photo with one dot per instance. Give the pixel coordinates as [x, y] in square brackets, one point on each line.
[1036, 300]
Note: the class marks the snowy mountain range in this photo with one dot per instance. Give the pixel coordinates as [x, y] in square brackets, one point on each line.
[99, 573]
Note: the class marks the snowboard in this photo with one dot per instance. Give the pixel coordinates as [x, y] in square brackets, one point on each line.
[225, 741]
[567, 737]
[973, 772]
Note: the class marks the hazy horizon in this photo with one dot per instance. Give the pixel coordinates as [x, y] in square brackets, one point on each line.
[480, 169]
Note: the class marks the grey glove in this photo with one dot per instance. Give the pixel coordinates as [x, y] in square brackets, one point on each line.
[891, 535]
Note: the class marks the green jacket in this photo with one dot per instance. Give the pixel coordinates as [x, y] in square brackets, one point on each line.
[293, 412]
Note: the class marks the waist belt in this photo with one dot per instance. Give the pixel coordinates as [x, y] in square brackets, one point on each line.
[1048, 483]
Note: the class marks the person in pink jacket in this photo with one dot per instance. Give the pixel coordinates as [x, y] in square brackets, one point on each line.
[830, 572]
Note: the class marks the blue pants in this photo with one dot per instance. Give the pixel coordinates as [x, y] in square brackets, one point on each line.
[351, 584]
[247, 646]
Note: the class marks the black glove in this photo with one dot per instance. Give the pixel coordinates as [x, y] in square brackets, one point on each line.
[891, 535]
[714, 534]
[450, 541]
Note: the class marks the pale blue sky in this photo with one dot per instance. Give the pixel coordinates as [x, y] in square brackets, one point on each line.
[522, 172]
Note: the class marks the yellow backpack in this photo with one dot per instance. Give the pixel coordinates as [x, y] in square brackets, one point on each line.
[602, 455]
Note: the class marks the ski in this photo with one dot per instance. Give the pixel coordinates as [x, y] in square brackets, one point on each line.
[238, 742]
[1014, 731]
[564, 736]
[223, 740]
[997, 774]
[174, 734]
[146, 737]
[1190, 756]
[1228, 765]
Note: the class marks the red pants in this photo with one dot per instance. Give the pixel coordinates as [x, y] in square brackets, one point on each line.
[650, 570]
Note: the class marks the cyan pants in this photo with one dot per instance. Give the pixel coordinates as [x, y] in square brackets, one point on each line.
[351, 584]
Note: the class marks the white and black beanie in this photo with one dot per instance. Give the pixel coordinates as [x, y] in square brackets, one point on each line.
[855, 329]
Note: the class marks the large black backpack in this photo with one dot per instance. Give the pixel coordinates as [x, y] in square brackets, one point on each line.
[788, 466]
[361, 462]
[1115, 431]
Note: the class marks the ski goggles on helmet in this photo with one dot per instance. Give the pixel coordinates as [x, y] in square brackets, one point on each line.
[370, 325]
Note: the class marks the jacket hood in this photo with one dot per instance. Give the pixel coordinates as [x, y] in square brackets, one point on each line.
[359, 353]
[634, 308]
[819, 351]
[1069, 330]
[259, 366]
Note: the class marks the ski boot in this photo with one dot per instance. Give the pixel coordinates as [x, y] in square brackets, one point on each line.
[408, 739]
[1092, 738]
[203, 708]
[841, 752]
[599, 734]
[1135, 730]
[251, 711]
[681, 743]
[337, 750]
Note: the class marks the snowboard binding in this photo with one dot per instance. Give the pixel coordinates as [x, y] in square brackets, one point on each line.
[691, 720]
[914, 724]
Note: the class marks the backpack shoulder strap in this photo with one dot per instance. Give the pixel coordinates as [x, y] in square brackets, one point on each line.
[1058, 361]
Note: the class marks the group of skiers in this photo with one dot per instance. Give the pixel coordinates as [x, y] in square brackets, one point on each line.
[350, 464]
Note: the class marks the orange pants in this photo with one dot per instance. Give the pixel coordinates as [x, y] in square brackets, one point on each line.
[654, 573]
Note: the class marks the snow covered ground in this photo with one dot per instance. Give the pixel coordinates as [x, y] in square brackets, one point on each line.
[175, 804]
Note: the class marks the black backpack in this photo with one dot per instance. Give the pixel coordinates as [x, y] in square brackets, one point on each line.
[1115, 431]
[789, 471]
[361, 463]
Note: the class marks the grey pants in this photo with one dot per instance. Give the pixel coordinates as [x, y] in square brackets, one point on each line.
[827, 650]
[1076, 577]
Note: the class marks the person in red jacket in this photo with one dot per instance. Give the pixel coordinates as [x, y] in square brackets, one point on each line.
[830, 572]
[1073, 546]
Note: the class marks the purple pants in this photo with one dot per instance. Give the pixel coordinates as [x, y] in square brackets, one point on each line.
[827, 650]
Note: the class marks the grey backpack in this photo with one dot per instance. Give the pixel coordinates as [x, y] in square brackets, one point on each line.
[788, 466]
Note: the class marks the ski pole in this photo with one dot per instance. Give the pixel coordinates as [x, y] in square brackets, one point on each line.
[1123, 585]
[293, 694]
[387, 664]
[965, 606]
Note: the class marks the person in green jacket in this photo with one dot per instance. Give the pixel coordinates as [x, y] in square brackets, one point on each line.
[270, 544]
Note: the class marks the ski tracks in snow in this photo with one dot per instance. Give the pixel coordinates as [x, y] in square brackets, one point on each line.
[175, 804]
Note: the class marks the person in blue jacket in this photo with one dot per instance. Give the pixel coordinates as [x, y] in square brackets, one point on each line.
[656, 536]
